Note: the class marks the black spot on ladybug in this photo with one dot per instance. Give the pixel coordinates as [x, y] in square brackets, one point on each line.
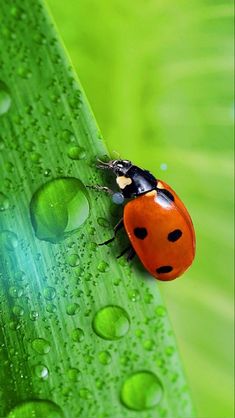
[167, 194]
[140, 233]
[174, 235]
[164, 269]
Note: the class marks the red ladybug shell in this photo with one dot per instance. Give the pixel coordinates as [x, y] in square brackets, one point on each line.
[161, 232]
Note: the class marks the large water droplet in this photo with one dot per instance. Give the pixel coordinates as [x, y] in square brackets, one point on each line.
[36, 409]
[59, 208]
[141, 390]
[111, 322]
[5, 98]
[41, 346]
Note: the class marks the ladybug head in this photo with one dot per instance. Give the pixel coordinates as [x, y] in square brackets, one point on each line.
[119, 167]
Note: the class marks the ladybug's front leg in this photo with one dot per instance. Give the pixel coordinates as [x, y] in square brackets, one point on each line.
[101, 188]
[117, 197]
[117, 227]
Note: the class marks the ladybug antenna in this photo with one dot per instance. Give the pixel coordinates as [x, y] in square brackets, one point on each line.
[102, 164]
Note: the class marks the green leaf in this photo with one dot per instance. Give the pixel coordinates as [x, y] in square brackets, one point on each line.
[82, 334]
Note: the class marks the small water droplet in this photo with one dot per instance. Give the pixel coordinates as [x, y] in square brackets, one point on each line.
[72, 308]
[111, 322]
[104, 357]
[41, 346]
[34, 315]
[36, 409]
[8, 240]
[134, 295]
[49, 293]
[5, 98]
[141, 390]
[103, 266]
[160, 310]
[58, 208]
[73, 260]
[75, 152]
[103, 222]
[149, 345]
[4, 202]
[73, 374]
[41, 371]
[84, 393]
[77, 335]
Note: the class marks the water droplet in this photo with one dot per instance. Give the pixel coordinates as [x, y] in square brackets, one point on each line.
[41, 346]
[4, 202]
[72, 308]
[160, 310]
[149, 345]
[111, 322]
[141, 390]
[8, 240]
[73, 374]
[41, 371]
[59, 208]
[77, 335]
[36, 409]
[49, 293]
[103, 222]
[76, 152]
[84, 393]
[34, 315]
[73, 260]
[5, 98]
[18, 310]
[103, 266]
[104, 357]
[16, 292]
[134, 295]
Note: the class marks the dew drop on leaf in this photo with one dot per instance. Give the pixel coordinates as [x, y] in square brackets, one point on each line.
[8, 240]
[75, 152]
[111, 322]
[72, 308]
[104, 357]
[36, 409]
[5, 98]
[141, 390]
[4, 202]
[41, 371]
[49, 293]
[73, 374]
[77, 335]
[103, 266]
[41, 346]
[58, 208]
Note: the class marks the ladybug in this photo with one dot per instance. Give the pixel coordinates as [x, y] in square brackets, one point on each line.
[156, 221]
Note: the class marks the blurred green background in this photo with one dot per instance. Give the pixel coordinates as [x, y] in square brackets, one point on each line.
[159, 78]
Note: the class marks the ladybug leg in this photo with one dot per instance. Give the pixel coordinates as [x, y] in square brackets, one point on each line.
[101, 188]
[131, 254]
[117, 227]
[124, 251]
